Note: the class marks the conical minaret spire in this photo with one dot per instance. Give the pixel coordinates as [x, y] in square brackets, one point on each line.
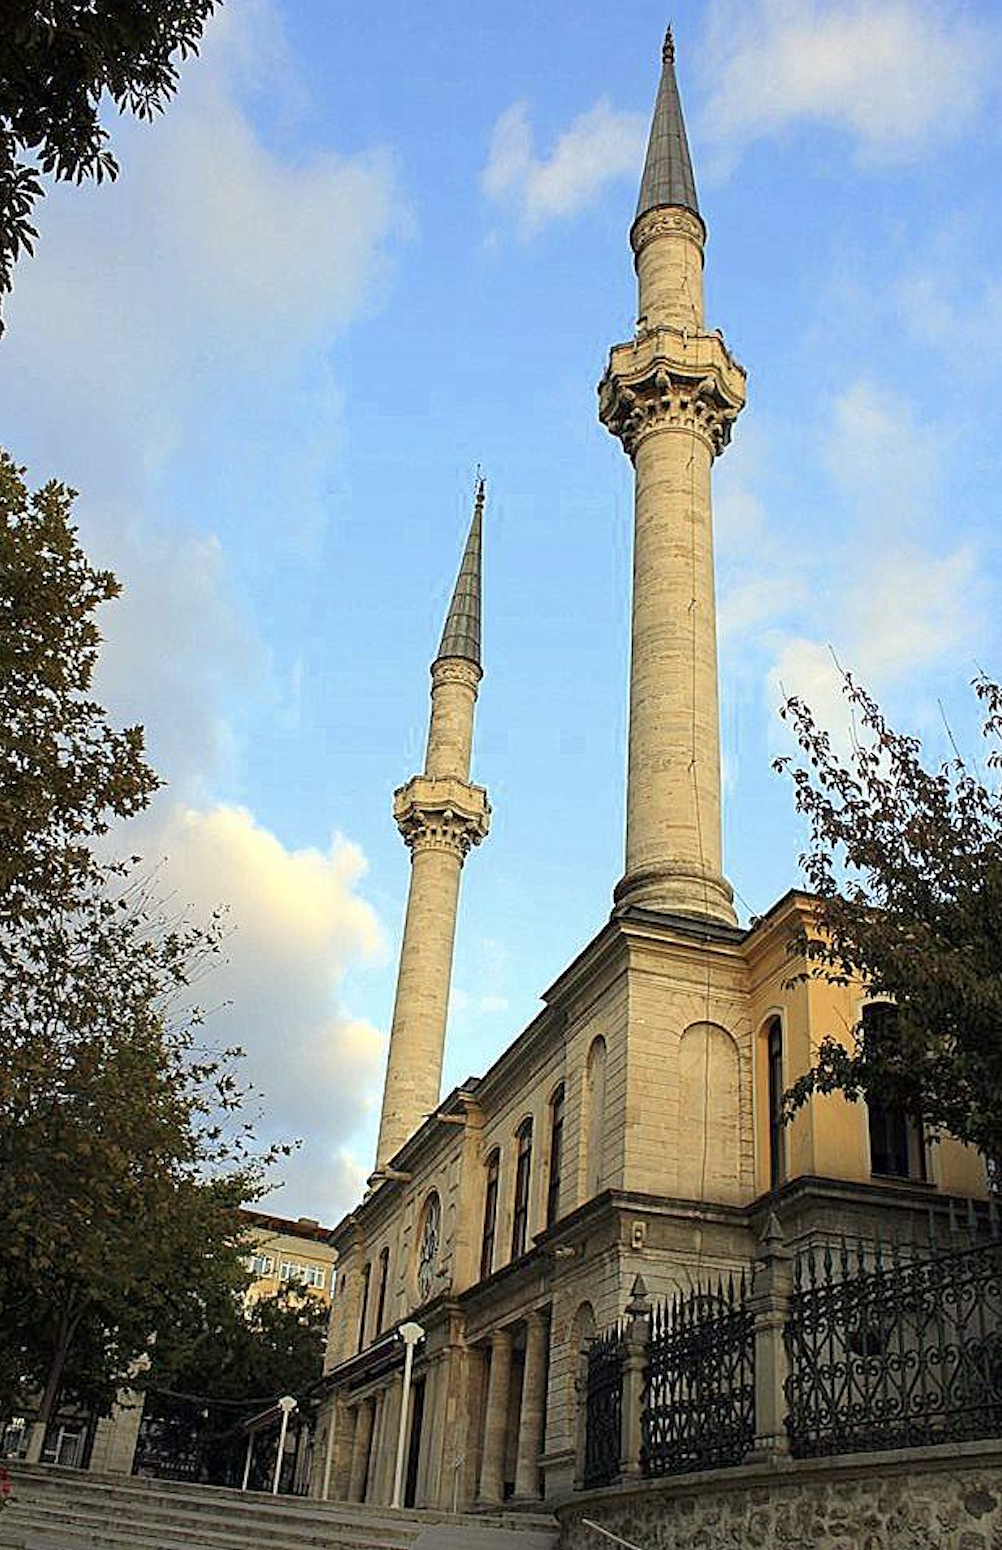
[461, 636]
[667, 179]
[671, 396]
[440, 815]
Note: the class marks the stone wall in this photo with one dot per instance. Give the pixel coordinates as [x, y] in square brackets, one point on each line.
[946, 1498]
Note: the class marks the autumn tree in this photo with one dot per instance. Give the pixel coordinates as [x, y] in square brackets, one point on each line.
[124, 1150]
[58, 62]
[905, 862]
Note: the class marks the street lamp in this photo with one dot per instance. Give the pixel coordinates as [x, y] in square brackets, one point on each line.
[287, 1405]
[410, 1334]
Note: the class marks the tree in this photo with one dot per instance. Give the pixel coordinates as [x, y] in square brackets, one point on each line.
[124, 1152]
[230, 1362]
[57, 60]
[65, 774]
[906, 866]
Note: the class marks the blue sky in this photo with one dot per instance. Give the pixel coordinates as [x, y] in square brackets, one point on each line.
[365, 251]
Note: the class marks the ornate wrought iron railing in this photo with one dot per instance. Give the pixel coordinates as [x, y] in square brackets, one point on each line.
[699, 1402]
[893, 1352]
[604, 1399]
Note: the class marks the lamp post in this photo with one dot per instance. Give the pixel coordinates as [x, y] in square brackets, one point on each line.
[287, 1405]
[410, 1334]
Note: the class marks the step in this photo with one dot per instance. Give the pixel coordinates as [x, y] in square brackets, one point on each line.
[101, 1510]
[138, 1492]
[219, 1524]
[212, 1535]
[300, 1515]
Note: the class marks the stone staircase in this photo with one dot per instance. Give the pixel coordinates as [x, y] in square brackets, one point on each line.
[68, 1509]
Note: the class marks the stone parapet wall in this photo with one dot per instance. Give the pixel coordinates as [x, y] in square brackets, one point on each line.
[943, 1498]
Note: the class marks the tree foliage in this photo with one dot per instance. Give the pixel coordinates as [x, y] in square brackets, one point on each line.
[58, 59]
[64, 772]
[124, 1153]
[906, 866]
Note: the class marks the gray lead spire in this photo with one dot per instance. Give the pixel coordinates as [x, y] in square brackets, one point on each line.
[461, 636]
[668, 178]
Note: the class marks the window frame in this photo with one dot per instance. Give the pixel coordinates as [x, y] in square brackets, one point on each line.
[775, 1088]
[558, 1100]
[384, 1277]
[489, 1232]
[364, 1304]
[523, 1188]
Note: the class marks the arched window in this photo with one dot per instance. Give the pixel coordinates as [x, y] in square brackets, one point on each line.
[556, 1155]
[364, 1304]
[384, 1276]
[428, 1246]
[897, 1138]
[777, 1130]
[523, 1172]
[492, 1172]
[595, 1102]
[709, 1099]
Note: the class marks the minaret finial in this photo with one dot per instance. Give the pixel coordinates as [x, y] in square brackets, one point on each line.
[668, 51]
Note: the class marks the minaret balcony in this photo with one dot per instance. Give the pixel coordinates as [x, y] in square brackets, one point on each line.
[670, 377]
[442, 813]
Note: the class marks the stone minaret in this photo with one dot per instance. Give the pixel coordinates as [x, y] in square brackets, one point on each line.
[440, 815]
[671, 396]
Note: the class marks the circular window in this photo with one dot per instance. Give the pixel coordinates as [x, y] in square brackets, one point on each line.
[428, 1246]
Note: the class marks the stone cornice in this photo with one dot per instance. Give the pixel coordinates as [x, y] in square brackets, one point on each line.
[667, 220]
[456, 670]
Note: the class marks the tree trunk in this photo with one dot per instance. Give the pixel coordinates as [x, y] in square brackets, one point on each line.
[69, 1322]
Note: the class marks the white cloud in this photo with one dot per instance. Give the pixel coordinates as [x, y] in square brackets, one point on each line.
[871, 587]
[297, 923]
[895, 75]
[597, 147]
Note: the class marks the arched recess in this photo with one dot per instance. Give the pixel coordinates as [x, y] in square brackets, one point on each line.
[709, 1143]
[595, 1074]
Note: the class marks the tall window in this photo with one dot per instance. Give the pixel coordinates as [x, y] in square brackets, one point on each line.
[777, 1131]
[897, 1141]
[523, 1170]
[556, 1155]
[364, 1307]
[595, 1088]
[384, 1276]
[493, 1171]
[429, 1242]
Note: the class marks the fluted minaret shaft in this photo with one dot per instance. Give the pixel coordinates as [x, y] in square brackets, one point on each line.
[440, 815]
[671, 396]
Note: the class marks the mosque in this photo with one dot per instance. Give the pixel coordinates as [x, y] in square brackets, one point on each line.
[634, 1126]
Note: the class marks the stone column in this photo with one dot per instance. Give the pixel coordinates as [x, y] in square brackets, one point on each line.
[343, 1421]
[581, 1416]
[635, 1343]
[361, 1442]
[772, 1292]
[533, 1409]
[440, 815]
[671, 396]
[377, 1445]
[496, 1420]
[440, 820]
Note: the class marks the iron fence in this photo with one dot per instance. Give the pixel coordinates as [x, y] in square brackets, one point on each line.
[889, 1351]
[699, 1399]
[604, 1399]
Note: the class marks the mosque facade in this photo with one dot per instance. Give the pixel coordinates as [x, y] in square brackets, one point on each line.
[634, 1126]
